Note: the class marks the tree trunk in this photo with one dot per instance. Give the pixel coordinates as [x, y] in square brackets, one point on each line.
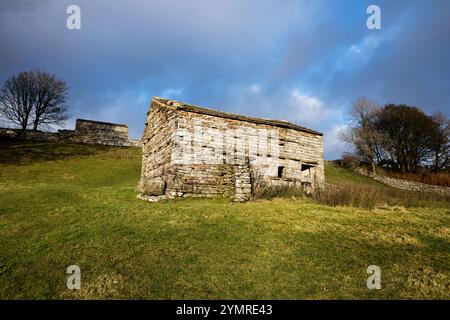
[24, 124]
[402, 167]
[436, 160]
[374, 167]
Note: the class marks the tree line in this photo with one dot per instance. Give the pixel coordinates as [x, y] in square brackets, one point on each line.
[33, 99]
[398, 137]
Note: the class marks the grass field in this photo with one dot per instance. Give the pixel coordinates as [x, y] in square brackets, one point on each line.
[64, 204]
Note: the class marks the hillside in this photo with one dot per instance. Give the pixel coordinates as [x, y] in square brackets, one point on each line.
[64, 204]
[335, 175]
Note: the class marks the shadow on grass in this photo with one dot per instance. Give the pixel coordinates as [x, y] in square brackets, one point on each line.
[24, 152]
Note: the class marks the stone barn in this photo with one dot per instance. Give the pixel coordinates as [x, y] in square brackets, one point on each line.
[98, 132]
[191, 151]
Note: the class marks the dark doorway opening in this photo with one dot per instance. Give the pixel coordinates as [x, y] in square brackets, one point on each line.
[280, 172]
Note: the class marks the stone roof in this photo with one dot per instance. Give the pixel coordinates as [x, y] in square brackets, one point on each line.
[202, 110]
[101, 122]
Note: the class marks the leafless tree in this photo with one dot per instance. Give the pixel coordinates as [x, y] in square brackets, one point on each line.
[17, 98]
[50, 100]
[362, 133]
[440, 141]
[34, 99]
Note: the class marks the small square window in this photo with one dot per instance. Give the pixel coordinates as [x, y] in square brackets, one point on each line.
[306, 167]
[280, 172]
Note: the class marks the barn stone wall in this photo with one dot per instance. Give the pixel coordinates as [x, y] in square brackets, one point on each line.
[193, 153]
[157, 167]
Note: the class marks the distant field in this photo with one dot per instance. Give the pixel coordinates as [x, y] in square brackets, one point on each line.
[64, 204]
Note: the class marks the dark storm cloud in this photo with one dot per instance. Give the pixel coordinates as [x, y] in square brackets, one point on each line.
[302, 61]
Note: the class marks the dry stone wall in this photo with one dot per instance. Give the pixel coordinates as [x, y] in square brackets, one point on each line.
[61, 135]
[86, 131]
[405, 184]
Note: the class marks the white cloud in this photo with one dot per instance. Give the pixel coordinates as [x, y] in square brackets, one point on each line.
[333, 145]
[254, 88]
[310, 102]
[315, 113]
[358, 54]
[172, 93]
[308, 109]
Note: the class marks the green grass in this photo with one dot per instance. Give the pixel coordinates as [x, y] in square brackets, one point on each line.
[64, 204]
[365, 192]
[336, 174]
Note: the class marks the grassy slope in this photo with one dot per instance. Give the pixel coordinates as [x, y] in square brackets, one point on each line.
[71, 204]
[335, 174]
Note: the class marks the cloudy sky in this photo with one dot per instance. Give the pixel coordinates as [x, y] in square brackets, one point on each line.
[297, 60]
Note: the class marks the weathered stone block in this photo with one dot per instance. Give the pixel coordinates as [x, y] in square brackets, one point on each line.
[154, 187]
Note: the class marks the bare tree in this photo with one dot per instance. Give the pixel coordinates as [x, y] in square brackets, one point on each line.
[34, 98]
[362, 133]
[50, 101]
[17, 98]
[440, 141]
